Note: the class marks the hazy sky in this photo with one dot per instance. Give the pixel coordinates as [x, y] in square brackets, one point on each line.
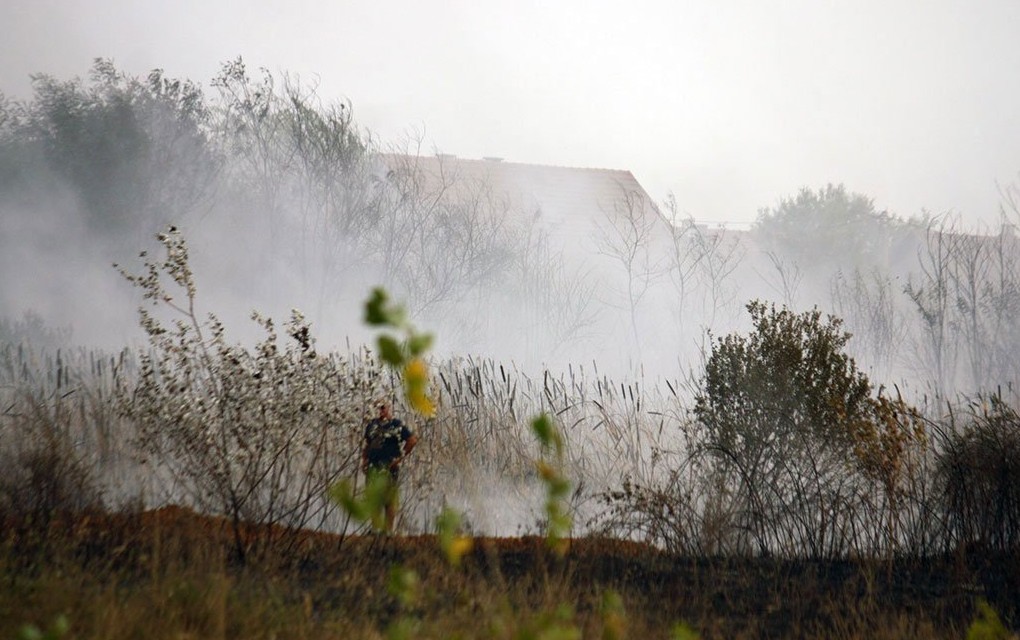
[728, 104]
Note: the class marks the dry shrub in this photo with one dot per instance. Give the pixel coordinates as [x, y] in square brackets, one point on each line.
[257, 434]
[979, 478]
[45, 475]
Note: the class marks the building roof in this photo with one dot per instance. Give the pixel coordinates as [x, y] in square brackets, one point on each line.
[570, 204]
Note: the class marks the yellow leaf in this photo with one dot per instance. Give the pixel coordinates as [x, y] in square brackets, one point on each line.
[546, 471]
[416, 375]
[416, 371]
[423, 405]
[458, 548]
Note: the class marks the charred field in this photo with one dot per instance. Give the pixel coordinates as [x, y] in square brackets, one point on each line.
[172, 573]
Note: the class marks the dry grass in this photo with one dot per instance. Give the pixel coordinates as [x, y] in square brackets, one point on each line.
[170, 574]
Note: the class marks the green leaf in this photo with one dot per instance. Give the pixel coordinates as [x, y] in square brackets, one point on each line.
[61, 626]
[343, 494]
[544, 430]
[371, 505]
[390, 351]
[375, 308]
[57, 630]
[404, 585]
[683, 631]
[419, 343]
[559, 487]
[379, 311]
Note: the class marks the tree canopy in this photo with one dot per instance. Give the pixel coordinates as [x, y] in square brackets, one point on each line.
[830, 226]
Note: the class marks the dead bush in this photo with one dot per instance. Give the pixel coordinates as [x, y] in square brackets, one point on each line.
[45, 475]
[978, 474]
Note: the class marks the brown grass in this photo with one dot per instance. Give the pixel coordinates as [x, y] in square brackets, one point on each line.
[170, 573]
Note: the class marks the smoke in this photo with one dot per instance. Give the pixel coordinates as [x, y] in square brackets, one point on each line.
[287, 203]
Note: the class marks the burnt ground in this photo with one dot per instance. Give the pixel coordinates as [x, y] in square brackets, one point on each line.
[721, 597]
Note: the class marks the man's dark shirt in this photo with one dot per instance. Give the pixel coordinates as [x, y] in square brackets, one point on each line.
[384, 442]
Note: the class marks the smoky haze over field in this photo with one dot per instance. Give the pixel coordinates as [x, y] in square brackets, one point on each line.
[596, 190]
[287, 198]
[287, 202]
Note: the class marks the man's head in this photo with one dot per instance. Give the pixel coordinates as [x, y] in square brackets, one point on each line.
[384, 411]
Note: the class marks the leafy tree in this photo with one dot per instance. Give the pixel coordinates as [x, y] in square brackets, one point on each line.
[9, 120]
[788, 381]
[788, 417]
[135, 150]
[830, 226]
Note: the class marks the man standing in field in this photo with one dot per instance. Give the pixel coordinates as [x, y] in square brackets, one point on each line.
[387, 441]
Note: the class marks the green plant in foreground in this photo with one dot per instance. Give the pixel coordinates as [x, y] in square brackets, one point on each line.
[614, 616]
[453, 545]
[58, 629]
[987, 625]
[370, 506]
[405, 355]
[558, 520]
[683, 631]
[557, 624]
[404, 585]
